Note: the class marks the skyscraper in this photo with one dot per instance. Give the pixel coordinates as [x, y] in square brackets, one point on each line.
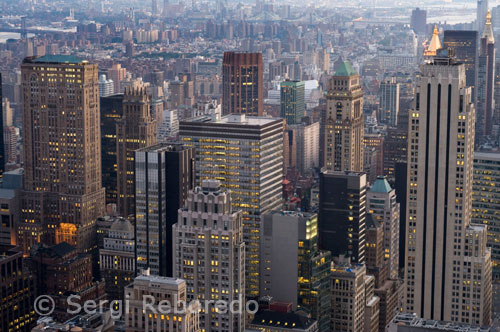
[135, 130]
[293, 269]
[164, 175]
[292, 101]
[242, 83]
[344, 121]
[482, 10]
[63, 194]
[342, 213]
[217, 258]
[246, 155]
[389, 102]
[485, 82]
[446, 257]
[2, 149]
[306, 139]
[465, 49]
[106, 87]
[419, 21]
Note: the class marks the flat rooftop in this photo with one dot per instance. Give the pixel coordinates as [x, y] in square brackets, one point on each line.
[55, 59]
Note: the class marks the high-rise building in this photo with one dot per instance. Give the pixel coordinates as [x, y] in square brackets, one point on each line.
[307, 145]
[154, 7]
[482, 10]
[164, 175]
[249, 165]
[354, 304]
[150, 317]
[106, 87]
[136, 129]
[389, 102]
[293, 104]
[382, 205]
[111, 112]
[396, 146]
[485, 82]
[344, 121]
[63, 194]
[486, 201]
[242, 83]
[16, 309]
[116, 73]
[214, 267]
[293, 269]
[117, 258]
[465, 48]
[446, 257]
[2, 149]
[419, 21]
[342, 213]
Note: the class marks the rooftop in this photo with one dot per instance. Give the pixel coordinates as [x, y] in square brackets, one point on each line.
[161, 280]
[381, 186]
[55, 59]
[165, 147]
[345, 69]
[241, 119]
[282, 320]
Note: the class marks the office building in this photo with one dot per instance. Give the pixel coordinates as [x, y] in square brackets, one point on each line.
[354, 305]
[485, 82]
[410, 322]
[136, 129]
[10, 138]
[342, 213]
[106, 87]
[164, 174]
[116, 74]
[111, 112]
[307, 146]
[293, 269]
[63, 194]
[18, 296]
[344, 121]
[149, 318]
[418, 21]
[389, 102]
[465, 49]
[486, 201]
[282, 321]
[9, 214]
[245, 154]
[481, 12]
[242, 83]
[209, 253]
[446, 257]
[382, 205]
[117, 258]
[395, 147]
[2, 124]
[293, 104]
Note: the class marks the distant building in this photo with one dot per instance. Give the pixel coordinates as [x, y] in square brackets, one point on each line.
[242, 83]
[419, 21]
[292, 101]
[18, 296]
[9, 215]
[481, 12]
[389, 102]
[277, 321]
[106, 87]
[2, 124]
[342, 213]
[307, 146]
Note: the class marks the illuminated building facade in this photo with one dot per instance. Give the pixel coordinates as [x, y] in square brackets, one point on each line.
[210, 254]
[486, 201]
[63, 194]
[246, 155]
[344, 121]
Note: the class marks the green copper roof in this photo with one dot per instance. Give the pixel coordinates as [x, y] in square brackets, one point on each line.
[345, 69]
[57, 59]
[381, 185]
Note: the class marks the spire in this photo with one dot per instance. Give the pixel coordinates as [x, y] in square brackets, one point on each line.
[488, 30]
[434, 45]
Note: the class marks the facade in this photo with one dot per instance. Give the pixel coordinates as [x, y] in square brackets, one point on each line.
[136, 129]
[111, 112]
[245, 154]
[307, 146]
[342, 214]
[9, 214]
[410, 322]
[116, 73]
[293, 104]
[419, 21]
[465, 48]
[382, 205]
[63, 194]
[485, 82]
[443, 251]
[389, 102]
[277, 321]
[486, 201]
[117, 258]
[344, 121]
[209, 253]
[242, 83]
[16, 309]
[2, 148]
[293, 269]
[164, 174]
[139, 319]
[106, 87]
